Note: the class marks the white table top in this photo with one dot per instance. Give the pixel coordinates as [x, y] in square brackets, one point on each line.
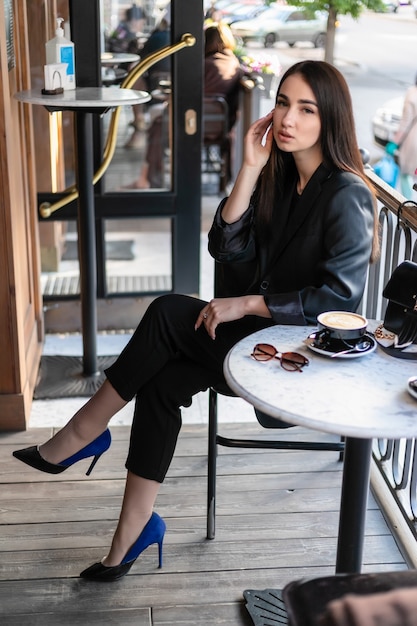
[365, 397]
[115, 58]
[85, 97]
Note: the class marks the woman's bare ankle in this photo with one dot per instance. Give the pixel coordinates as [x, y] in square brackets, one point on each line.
[123, 540]
[68, 441]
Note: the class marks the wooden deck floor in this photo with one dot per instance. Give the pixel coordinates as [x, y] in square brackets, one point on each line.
[276, 521]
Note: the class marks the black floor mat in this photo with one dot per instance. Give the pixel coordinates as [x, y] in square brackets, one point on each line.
[62, 377]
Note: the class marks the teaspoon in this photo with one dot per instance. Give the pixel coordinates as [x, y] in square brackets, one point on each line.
[360, 347]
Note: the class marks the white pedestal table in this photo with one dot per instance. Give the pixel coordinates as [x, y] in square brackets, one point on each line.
[360, 398]
[85, 102]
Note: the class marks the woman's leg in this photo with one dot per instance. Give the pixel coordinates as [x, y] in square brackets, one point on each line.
[138, 502]
[155, 429]
[87, 424]
[167, 325]
[166, 333]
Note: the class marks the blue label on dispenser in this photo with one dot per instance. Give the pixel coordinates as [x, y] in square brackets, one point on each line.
[67, 56]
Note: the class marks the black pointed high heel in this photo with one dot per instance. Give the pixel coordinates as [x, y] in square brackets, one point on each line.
[96, 448]
[153, 532]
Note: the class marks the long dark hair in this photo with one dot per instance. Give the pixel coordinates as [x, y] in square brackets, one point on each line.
[337, 137]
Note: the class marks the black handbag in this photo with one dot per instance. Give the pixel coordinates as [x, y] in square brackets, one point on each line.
[401, 314]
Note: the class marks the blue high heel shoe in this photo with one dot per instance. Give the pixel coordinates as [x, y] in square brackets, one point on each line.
[96, 448]
[153, 532]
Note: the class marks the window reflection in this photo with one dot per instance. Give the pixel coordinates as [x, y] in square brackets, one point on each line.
[143, 147]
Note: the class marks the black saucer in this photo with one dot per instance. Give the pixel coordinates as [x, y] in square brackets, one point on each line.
[332, 348]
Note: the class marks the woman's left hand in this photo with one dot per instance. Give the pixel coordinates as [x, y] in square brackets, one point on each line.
[221, 310]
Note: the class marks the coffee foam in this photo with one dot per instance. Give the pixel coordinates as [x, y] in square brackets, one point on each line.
[342, 320]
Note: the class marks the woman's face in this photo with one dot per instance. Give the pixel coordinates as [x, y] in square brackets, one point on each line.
[296, 120]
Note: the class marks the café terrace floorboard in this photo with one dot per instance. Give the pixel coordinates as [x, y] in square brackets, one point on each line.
[277, 520]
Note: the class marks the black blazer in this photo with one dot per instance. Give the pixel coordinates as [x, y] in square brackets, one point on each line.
[317, 262]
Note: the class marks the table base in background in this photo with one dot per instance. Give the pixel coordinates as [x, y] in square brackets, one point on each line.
[266, 607]
[306, 600]
[62, 377]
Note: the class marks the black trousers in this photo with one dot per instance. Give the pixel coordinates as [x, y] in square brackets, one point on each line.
[164, 364]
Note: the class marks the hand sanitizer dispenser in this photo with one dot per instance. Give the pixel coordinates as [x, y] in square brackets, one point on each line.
[61, 50]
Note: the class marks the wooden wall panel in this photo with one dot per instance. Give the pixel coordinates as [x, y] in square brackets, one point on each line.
[21, 311]
[41, 16]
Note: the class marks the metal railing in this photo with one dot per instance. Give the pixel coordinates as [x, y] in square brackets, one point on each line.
[396, 460]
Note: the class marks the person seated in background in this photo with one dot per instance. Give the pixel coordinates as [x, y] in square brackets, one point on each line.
[222, 69]
[406, 140]
[159, 38]
[222, 75]
[212, 15]
[124, 37]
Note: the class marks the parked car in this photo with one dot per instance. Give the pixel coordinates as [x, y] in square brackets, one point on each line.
[283, 23]
[415, 8]
[390, 6]
[242, 12]
[386, 121]
[223, 5]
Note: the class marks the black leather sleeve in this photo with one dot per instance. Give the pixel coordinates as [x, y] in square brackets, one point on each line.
[329, 261]
[232, 242]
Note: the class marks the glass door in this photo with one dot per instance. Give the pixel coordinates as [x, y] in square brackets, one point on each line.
[147, 203]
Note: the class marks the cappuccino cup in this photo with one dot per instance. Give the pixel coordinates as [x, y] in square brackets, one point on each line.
[335, 327]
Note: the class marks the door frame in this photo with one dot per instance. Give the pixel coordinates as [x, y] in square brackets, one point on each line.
[182, 203]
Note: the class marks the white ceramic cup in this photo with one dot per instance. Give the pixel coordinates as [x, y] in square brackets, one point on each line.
[340, 326]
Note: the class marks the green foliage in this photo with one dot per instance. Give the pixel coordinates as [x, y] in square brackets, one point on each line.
[342, 7]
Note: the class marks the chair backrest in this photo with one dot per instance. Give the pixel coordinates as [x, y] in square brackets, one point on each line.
[232, 279]
[215, 119]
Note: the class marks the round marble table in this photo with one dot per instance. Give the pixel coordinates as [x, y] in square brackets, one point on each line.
[360, 398]
[117, 58]
[84, 102]
[92, 99]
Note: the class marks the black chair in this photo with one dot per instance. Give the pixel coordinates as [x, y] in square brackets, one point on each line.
[228, 282]
[216, 150]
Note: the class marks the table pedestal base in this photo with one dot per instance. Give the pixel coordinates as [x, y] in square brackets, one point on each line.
[308, 598]
[63, 377]
[266, 607]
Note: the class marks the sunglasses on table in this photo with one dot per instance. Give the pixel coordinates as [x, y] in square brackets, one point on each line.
[290, 361]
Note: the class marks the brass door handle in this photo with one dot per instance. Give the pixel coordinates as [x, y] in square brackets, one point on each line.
[187, 40]
[190, 122]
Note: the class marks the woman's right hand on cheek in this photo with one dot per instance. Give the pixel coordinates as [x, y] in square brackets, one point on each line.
[258, 141]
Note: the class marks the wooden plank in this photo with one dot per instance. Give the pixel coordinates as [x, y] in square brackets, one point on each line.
[206, 556]
[226, 614]
[191, 504]
[111, 466]
[106, 488]
[75, 595]
[245, 527]
[110, 617]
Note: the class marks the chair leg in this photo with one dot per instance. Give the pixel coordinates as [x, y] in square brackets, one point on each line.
[341, 453]
[211, 465]
[225, 174]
